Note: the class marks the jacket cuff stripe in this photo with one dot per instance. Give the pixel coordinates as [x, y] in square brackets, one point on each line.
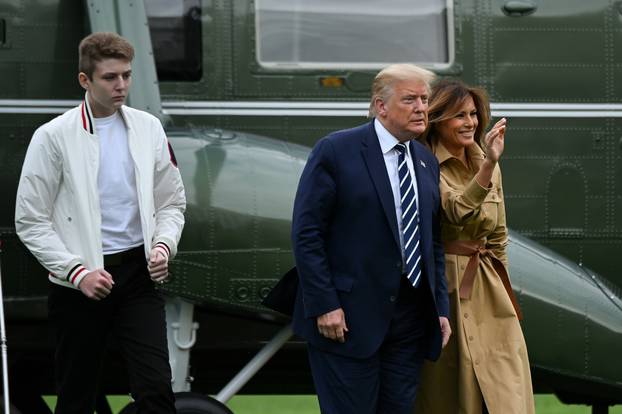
[73, 269]
[164, 247]
[77, 273]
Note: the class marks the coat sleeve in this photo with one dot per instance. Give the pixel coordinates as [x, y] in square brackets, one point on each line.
[169, 197]
[38, 187]
[313, 209]
[497, 241]
[459, 206]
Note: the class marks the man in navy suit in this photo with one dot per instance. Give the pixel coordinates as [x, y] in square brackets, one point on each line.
[370, 307]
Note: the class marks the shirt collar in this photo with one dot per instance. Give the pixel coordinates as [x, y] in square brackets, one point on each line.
[473, 152]
[386, 139]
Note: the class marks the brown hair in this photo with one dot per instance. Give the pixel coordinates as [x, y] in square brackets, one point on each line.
[382, 87]
[446, 98]
[102, 45]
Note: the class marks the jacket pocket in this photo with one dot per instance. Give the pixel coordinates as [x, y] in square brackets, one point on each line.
[343, 282]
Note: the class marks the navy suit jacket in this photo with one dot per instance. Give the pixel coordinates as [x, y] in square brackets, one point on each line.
[346, 242]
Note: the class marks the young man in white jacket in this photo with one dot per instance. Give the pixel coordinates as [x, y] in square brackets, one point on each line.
[100, 204]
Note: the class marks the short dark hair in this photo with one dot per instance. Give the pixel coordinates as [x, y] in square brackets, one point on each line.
[445, 100]
[102, 45]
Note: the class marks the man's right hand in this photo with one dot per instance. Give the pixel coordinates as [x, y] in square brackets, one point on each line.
[332, 325]
[97, 284]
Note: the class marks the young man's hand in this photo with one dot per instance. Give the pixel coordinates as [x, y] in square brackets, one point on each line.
[97, 284]
[158, 266]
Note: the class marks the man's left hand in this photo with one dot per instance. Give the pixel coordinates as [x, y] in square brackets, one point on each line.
[158, 266]
[445, 329]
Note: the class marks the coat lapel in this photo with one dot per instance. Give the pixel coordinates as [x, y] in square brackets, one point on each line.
[372, 154]
[423, 187]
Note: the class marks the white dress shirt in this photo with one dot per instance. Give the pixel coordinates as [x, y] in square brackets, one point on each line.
[390, 154]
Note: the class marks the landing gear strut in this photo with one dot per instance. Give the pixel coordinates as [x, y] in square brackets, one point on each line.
[181, 333]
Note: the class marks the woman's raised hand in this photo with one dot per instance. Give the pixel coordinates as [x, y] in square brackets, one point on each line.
[494, 141]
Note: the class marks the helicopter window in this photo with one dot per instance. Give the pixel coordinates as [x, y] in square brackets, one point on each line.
[175, 28]
[350, 34]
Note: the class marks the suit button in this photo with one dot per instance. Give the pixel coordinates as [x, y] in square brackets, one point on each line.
[466, 315]
[392, 298]
[398, 264]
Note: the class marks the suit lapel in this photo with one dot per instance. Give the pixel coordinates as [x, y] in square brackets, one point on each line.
[372, 154]
[423, 189]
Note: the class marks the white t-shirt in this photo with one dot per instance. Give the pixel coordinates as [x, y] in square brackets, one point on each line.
[121, 228]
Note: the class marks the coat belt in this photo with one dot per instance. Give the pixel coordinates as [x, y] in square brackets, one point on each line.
[474, 249]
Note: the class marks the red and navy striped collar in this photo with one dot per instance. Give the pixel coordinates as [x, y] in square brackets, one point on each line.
[88, 122]
[87, 115]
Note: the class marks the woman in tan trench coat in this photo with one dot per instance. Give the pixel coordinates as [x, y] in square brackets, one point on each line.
[484, 367]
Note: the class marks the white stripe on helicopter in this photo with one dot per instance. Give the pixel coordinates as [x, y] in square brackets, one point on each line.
[338, 109]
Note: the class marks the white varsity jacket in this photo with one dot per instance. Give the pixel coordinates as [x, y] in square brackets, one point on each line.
[57, 210]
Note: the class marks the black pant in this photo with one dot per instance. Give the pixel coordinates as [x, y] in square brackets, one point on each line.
[134, 314]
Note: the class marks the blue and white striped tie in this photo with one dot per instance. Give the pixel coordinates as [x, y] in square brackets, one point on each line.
[410, 221]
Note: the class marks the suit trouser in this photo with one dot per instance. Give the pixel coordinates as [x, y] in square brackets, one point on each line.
[387, 381]
[134, 314]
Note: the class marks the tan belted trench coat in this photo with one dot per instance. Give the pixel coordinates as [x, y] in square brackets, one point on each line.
[486, 357]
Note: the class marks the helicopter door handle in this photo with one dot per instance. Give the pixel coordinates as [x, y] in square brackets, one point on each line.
[519, 8]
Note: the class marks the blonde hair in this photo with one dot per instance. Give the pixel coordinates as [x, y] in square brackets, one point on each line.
[385, 80]
[446, 98]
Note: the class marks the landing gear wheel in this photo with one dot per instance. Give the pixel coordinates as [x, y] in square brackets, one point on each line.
[190, 403]
[193, 403]
[128, 409]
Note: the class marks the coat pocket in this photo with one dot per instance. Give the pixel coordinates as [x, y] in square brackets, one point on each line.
[343, 282]
[489, 213]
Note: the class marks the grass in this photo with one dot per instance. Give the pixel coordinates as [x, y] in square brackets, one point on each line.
[307, 404]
